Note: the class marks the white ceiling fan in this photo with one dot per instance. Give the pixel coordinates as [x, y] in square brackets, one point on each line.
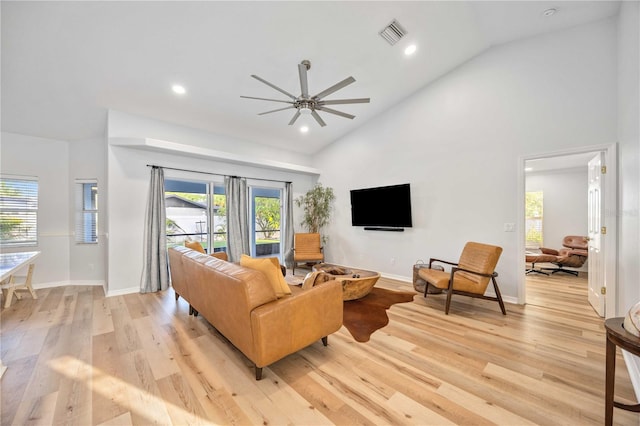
[305, 104]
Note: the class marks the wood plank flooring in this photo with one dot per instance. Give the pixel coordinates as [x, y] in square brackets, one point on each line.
[76, 357]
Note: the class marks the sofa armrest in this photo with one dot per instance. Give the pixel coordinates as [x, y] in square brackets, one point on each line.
[294, 322]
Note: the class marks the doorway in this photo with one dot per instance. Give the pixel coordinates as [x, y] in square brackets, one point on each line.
[570, 160]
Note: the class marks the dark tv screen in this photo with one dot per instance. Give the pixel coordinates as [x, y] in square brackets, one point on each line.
[385, 206]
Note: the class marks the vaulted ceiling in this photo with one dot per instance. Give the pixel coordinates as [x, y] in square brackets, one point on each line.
[64, 64]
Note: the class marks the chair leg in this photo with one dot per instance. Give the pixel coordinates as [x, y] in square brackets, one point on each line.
[499, 296]
[27, 282]
[325, 340]
[449, 293]
[10, 292]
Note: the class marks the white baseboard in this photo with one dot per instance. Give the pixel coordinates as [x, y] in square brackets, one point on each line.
[69, 283]
[398, 278]
[123, 291]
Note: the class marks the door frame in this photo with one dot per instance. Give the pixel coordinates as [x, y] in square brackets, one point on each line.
[610, 220]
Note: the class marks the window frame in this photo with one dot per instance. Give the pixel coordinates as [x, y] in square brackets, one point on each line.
[81, 211]
[35, 201]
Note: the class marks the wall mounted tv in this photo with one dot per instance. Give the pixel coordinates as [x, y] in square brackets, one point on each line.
[384, 208]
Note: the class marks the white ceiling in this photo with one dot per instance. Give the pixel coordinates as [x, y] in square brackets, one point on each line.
[64, 64]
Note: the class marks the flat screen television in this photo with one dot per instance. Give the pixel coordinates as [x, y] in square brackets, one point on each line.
[382, 207]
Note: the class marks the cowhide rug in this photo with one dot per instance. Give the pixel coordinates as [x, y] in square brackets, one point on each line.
[364, 316]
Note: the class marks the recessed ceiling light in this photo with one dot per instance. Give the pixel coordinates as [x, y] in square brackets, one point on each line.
[550, 12]
[180, 90]
[410, 50]
[304, 129]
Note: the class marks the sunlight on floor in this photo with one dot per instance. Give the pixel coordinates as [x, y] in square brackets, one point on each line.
[133, 399]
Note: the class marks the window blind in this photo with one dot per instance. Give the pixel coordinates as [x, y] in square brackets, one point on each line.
[18, 211]
[86, 224]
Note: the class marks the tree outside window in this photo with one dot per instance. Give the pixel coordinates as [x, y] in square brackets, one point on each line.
[533, 215]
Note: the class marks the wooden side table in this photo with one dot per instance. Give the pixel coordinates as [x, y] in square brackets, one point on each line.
[617, 336]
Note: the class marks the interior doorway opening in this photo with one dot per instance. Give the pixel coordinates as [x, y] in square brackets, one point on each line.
[566, 210]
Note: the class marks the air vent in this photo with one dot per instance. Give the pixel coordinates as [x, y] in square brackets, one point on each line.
[393, 32]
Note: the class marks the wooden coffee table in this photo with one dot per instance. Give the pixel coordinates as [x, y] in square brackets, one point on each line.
[356, 283]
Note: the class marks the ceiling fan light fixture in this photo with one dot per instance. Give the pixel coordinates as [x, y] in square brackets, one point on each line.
[304, 129]
[307, 104]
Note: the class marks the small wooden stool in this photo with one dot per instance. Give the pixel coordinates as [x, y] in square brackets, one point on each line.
[12, 286]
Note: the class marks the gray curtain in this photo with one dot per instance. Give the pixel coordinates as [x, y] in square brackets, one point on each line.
[237, 213]
[288, 225]
[155, 270]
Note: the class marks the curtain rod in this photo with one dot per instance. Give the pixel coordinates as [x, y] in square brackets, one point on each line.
[216, 174]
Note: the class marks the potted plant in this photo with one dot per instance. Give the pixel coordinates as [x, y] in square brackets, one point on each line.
[316, 204]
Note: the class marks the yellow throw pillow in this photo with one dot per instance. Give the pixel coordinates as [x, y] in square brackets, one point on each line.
[272, 272]
[220, 255]
[194, 245]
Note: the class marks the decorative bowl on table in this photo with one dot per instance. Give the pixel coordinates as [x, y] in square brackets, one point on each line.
[632, 320]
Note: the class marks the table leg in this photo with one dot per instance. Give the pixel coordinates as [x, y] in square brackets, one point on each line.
[610, 377]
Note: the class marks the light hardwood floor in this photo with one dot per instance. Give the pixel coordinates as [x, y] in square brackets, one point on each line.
[76, 357]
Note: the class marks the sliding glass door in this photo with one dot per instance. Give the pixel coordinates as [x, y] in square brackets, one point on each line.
[196, 212]
[266, 213]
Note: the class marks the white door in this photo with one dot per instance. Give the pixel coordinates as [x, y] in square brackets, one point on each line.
[596, 231]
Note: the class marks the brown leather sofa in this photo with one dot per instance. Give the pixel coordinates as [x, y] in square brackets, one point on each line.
[241, 304]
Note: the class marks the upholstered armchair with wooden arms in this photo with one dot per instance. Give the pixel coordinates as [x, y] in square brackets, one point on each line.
[307, 248]
[470, 276]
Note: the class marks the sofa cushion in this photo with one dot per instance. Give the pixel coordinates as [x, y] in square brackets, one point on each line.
[272, 272]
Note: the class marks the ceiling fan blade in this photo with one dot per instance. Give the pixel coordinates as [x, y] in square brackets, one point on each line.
[345, 101]
[276, 110]
[304, 86]
[265, 99]
[274, 86]
[347, 81]
[295, 117]
[333, 111]
[318, 119]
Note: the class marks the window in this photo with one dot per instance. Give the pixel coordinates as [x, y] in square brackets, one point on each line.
[18, 211]
[266, 211]
[533, 216]
[86, 211]
[190, 208]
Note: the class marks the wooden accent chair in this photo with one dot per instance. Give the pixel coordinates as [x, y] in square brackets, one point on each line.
[470, 276]
[307, 248]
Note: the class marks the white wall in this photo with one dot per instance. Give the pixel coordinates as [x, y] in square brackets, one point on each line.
[564, 203]
[629, 169]
[629, 166]
[128, 183]
[56, 164]
[458, 141]
[48, 160]
[87, 161]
